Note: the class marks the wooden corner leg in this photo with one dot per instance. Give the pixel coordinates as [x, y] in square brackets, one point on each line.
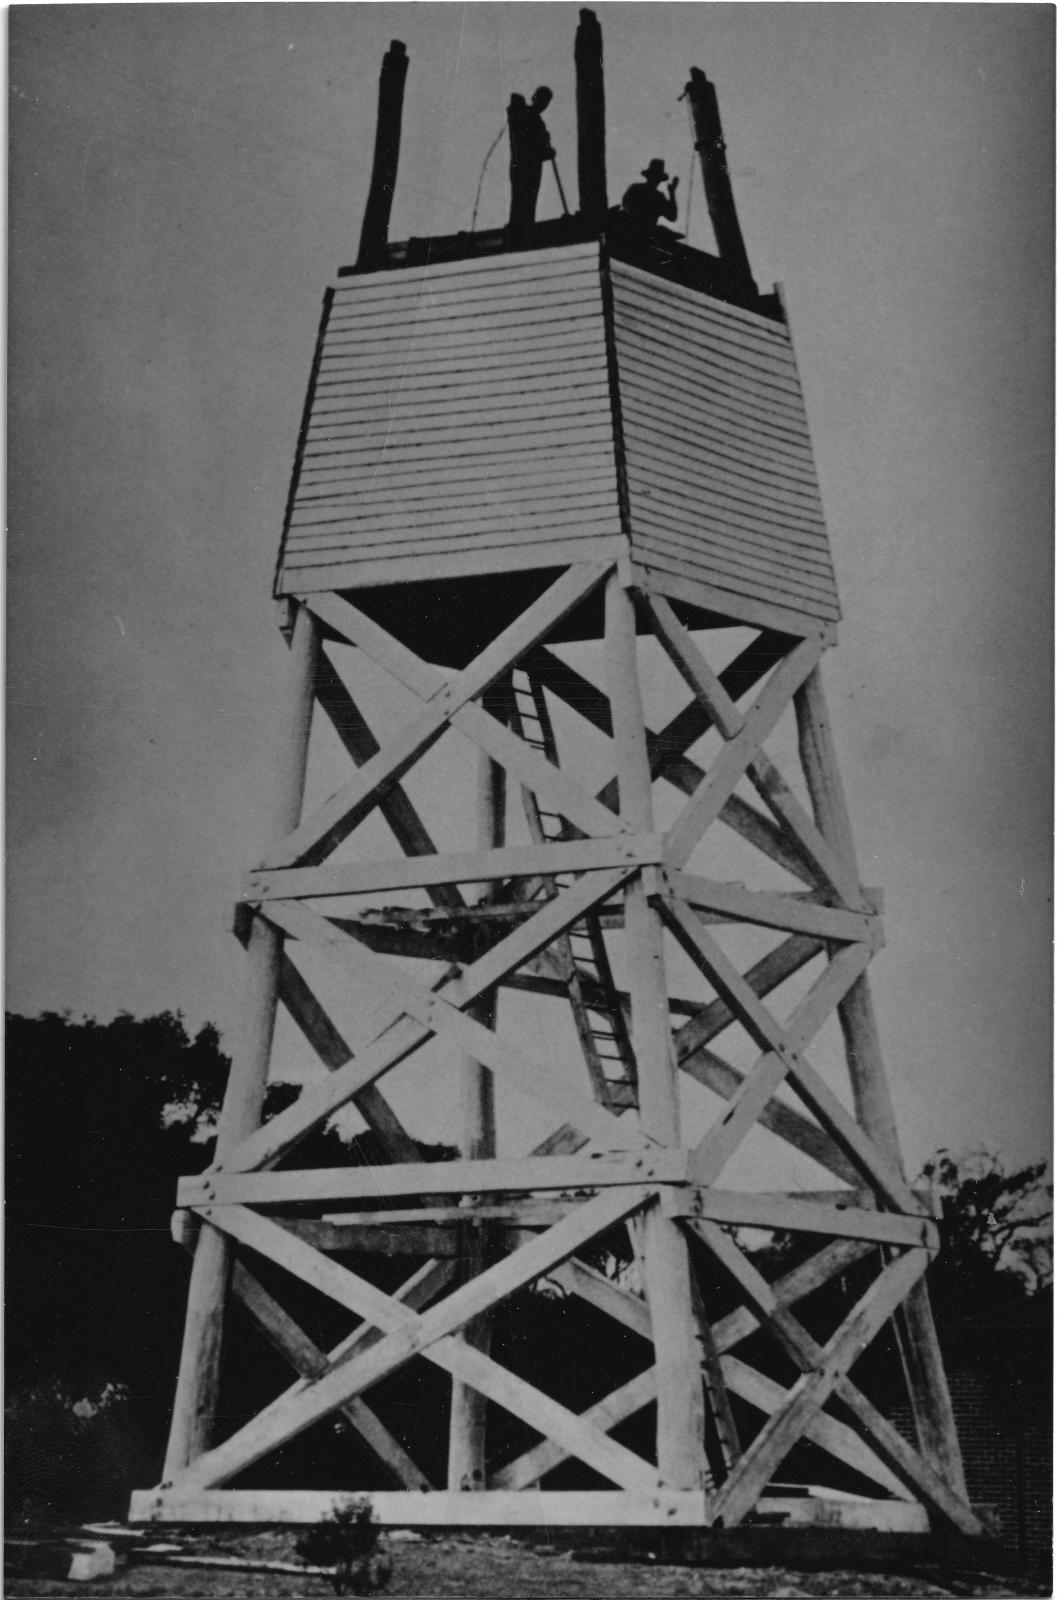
[196, 1389]
[467, 1463]
[927, 1382]
[666, 1259]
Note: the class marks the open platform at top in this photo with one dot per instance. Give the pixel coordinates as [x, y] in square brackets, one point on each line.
[479, 420]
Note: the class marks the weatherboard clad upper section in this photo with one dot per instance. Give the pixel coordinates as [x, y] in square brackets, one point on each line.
[458, 413]
[721, 480]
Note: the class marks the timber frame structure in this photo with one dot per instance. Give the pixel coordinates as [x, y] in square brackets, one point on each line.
[577, 894]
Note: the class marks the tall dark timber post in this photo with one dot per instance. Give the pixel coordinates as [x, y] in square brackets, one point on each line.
[530, 483]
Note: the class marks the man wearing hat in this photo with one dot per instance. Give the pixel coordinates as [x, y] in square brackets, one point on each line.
[644, 203]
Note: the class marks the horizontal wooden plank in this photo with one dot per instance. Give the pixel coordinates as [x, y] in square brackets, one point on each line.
[324, 1185]
[499, 298]
[792, 912]
[541, 435]
[837, 1219]
[736, 319]
[778, 431]
[579, 343]
[479, 423]
[818, 1511]
[410, 388]
[363, 496]
[706, 525]
[544, 302]
[480, 270]
[532, 1213]
[479, 418]
[729, 437]
[472, 866]
[784, 401]
[742, 316]
[712, 541]
[405, 519]
[701, 336]
[467, 334]
[739, 455]
[481, 539]
[653, 548]
[671, 576]
[709, 518]
[684, 439]
[423, 567]
[359, 495]
[690, 407]
[700, 504]
[694, 490]
[694, 318]
[539, 449]
[405, 422]
[437, 291]
[694, 315]
[577, 1508]
[349, 506]
[711, 535]
[592, 444]
[782, 394]
[534, 326]
[421, 1239]
[774, 350]
[741, 428]
[476, 477]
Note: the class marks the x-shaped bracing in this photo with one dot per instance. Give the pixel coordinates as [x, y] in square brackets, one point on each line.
[451, 703]
[836, 917]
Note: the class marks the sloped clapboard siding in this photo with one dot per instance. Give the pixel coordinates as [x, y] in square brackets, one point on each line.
[721, 479]
[460, 421]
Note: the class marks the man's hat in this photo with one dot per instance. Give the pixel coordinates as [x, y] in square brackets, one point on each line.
[655, 170]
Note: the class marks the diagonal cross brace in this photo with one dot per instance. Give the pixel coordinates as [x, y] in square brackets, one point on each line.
[811, 1391]
[733, 760]
[750, 1102]
[305, 1356]
[398, 1035]
[769, 1034]
[447, 702]
[761, 1392]
[883, 1437]
[409, 1334]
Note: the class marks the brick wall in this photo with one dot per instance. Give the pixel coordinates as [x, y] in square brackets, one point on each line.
[999, 1368]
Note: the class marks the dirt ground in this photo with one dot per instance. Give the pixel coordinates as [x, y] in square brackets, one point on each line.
[489, 1567]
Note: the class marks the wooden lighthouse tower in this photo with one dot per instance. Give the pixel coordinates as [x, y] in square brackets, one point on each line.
[558, 492]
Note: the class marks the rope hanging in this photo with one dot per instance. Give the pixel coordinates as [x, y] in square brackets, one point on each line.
[484, 165]
[480, 181]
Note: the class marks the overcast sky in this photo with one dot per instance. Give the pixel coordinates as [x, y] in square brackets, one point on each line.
[185, 179]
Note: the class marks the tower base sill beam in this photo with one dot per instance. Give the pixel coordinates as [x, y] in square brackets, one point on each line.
[523, 1509]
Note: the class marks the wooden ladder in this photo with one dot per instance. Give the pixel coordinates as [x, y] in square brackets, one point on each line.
[581, 955]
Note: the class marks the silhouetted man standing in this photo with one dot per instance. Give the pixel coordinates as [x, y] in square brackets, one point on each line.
[530, 147]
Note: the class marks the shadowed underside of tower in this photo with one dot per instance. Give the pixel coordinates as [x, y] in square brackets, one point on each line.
[557, 491]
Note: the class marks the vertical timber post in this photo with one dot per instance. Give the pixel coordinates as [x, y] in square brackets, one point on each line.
[196, 1387]
[466, 1429]
[590, 121]
[374, 234]
[927, 1380]
[719, 193]
[666, 1257]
